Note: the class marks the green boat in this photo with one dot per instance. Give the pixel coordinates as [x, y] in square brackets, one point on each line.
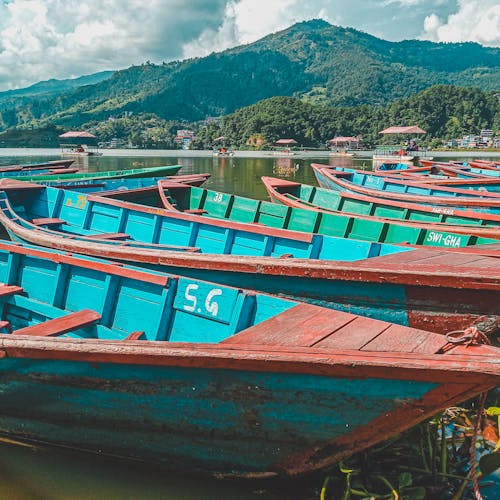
[53, 180]
[195, 200]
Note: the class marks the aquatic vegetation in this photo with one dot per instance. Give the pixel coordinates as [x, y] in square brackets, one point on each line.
[431, 460]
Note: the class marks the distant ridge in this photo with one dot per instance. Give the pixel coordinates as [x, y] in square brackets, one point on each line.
[312, 60]
[53, 85]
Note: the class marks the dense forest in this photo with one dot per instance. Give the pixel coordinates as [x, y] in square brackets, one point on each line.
[313, 61]
[444, 111]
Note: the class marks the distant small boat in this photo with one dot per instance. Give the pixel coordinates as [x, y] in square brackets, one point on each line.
[436, 290]
[193, 375]
[108, 174]
[223, 152]
[284, 152]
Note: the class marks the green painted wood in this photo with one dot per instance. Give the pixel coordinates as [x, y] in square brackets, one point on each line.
[110, 174]
[331, 223]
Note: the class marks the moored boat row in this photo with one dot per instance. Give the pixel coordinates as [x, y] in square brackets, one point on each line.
[332, 339]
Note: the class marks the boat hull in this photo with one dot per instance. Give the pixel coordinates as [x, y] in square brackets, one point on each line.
[252, 413]
[410, 287]
[147, 366]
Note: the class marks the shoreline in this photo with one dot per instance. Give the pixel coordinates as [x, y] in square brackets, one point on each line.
[237, 153]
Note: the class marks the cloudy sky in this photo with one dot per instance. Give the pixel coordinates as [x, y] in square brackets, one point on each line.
[42, 39]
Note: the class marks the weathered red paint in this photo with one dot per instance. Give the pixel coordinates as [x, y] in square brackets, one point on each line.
[487, 232]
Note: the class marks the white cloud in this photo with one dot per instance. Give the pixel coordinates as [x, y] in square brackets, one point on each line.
[476, 21]
[42, 39]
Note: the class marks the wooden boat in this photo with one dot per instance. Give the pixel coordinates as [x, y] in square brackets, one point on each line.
[33, 169]
[39, 165]
[109, 174]
[355, 226]
[478, 168]
[445, 181]
[143, 190]
[296, 195]
[223, 152]
[197, 376]
[486, 164]
[436, 290]
[382, 187]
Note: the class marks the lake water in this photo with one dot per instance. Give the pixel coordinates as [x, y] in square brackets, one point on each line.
[47, 473]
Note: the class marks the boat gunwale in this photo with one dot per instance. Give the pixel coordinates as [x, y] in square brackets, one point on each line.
[486, 216]
[460, 201]
[485, 231]
[450, 367]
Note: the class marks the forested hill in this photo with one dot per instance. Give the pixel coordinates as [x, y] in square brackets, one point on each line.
[444, 111]
[320, 63]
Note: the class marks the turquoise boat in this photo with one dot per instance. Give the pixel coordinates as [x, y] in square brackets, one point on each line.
[405, 190]
[435, 290]
[109, 174]
[477, 201]
[142, 190]
[204, 378]
[346, 225]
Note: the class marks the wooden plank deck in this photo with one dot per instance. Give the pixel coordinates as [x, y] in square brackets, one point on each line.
[337, 330]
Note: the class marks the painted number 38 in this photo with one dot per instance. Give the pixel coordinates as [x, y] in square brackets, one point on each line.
[211, 306]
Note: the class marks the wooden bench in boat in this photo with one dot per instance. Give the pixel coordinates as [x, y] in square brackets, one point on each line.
[108, 236]
[126, 193]
[195, 211]
[135, 336]
[62, 325]
[8, 290]
[48, 221]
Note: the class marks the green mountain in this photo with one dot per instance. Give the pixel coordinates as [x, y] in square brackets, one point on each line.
[315, 61]
[10, 99]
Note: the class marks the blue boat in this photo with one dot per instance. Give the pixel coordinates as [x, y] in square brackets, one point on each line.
[435, 290]
[197, 376]
[404, 190]
[35, 169]
[142, 190]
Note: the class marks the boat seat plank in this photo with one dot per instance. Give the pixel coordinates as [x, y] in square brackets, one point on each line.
[281, 183]
[398, 338]
[195, 211]
[6, 325]
[128, 192]
[8, 290]
[290, 328]
[109, 236]
[341, 175]
[62, 325]
[355, 334]
[48, 221]
[135, 336]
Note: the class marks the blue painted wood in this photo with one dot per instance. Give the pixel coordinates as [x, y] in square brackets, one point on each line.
[386, 185]
[158, 231]
[84, 218]
[181, 310]
[203, 408]
[198, 419]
